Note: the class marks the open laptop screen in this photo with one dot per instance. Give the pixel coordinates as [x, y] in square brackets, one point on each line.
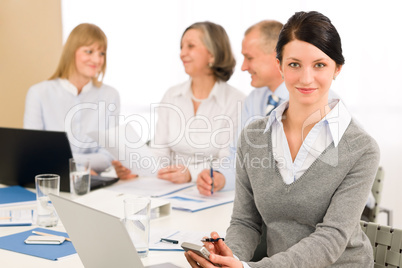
[26, 153]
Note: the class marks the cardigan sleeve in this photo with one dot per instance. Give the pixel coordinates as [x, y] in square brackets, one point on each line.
[245, 230]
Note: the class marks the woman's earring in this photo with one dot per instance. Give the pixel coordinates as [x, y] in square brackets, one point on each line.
[334, 77]
[210, 64]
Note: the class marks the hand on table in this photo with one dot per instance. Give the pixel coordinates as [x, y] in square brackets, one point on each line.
[122, 172]
[220, 254]
[175, 174]
[204, 182]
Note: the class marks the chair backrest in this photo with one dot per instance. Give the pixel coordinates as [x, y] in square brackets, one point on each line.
[377, 190]
[386, 243]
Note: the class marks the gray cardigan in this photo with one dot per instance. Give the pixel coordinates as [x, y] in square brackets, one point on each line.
[313, 222]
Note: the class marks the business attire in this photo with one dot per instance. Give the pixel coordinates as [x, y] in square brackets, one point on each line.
[311, 206]
[55, 105]
[256, 102]
[189, 139]
[254, 108]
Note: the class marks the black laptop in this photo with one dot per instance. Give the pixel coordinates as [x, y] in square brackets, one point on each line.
[26, 153]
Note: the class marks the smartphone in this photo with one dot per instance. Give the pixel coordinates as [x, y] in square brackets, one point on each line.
[199, 250]
[47, 240]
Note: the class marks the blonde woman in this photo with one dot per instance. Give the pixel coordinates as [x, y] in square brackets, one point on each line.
[74, 99]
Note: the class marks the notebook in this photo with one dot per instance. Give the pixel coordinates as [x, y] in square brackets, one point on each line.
[25, 153]
[100, 239]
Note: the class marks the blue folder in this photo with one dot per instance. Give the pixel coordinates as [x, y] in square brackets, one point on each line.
[13, 195]
[15, 242]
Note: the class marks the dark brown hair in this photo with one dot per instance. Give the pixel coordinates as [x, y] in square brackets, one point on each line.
[314, 28]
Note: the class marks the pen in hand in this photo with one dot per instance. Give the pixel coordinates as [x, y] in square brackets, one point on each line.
[212, 176]
[212, 239]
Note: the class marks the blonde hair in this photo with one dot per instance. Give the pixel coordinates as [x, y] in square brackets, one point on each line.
[269, 30]
[84, 34]
[216, 40]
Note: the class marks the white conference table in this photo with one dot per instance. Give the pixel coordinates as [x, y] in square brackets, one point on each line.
[212, 219]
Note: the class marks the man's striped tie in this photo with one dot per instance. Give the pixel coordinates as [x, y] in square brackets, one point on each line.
[273, 102]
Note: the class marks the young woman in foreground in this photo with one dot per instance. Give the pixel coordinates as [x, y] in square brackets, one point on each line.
[315, 170]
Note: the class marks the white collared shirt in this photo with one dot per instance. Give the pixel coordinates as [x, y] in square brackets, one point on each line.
[69, 87]
[184, 138]
[329, 129]
[56, 105]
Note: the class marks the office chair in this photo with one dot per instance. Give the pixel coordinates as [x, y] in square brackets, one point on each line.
[386, 243]
[372, 214]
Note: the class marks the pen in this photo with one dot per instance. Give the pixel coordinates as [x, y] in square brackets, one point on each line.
[169, 241]
[212, 239]
[212, 176]
[40, 233]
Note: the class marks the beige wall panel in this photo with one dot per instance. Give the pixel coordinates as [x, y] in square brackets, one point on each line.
[30, 47]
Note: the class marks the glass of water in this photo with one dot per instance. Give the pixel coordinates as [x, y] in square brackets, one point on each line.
[80, 177]
[137, 212]
[46, 184]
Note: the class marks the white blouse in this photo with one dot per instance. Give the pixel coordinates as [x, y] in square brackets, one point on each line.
[329, 129]
[56, 105]
[189, 139]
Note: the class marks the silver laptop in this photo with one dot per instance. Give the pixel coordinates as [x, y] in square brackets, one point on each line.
[100, 239]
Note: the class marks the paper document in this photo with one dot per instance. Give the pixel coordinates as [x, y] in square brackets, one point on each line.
[16, 217]
[113, 203]
[148, 186]
[191, 200]
[125, 145]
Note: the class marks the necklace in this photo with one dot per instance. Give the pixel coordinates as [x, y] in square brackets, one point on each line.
[195, 99]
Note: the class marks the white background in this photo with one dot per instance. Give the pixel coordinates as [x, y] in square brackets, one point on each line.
[144, 46]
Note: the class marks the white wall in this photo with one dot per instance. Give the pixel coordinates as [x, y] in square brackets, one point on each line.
[143, 56]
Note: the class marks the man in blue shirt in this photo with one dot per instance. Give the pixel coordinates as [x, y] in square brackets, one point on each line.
[258, 49]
